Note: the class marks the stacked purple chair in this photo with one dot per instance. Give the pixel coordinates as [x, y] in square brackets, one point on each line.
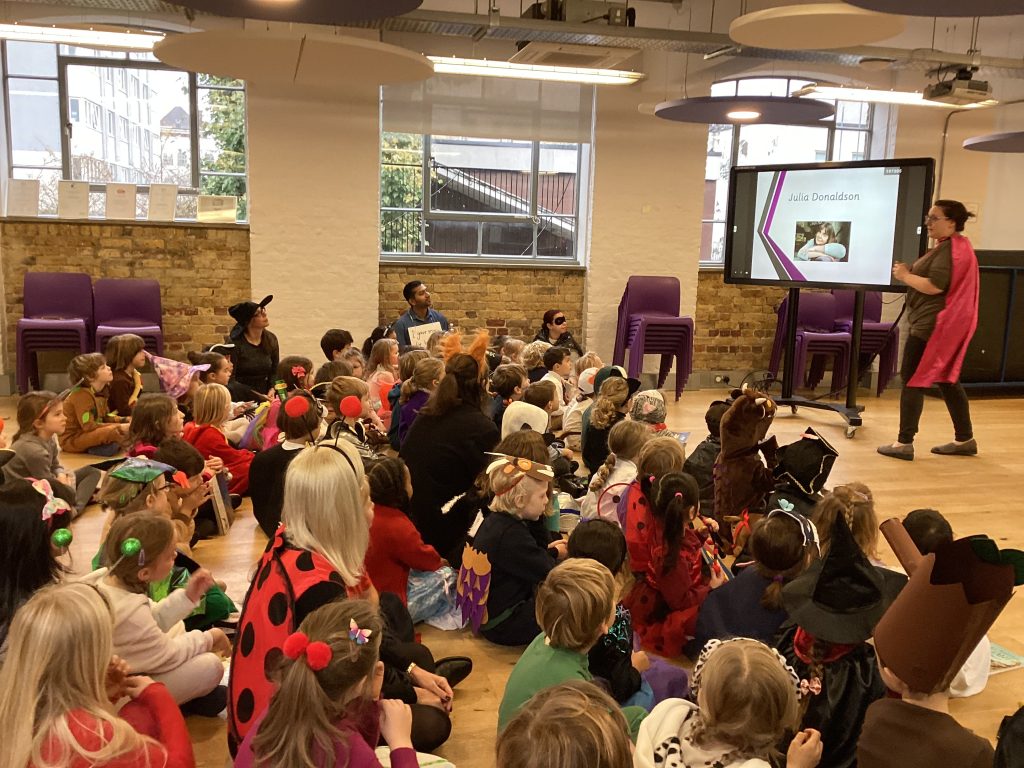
[814, 336]
[58, 315]
[649, 324]
[129, 306]
[877, 338]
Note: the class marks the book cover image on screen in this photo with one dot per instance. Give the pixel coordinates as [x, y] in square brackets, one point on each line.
[838, 225]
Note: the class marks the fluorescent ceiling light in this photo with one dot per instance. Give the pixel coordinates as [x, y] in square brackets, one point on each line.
[486, 68]
[743, 114]
[877, 96]
[86, 38]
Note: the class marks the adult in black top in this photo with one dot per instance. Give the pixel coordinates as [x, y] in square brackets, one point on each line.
[256, 352]
[555, 331]
[445, 450]
[266, 484]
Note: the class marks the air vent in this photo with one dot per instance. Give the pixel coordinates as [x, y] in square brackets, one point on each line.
[568, 55]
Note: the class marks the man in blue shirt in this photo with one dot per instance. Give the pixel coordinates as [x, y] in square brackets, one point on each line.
[420, 313]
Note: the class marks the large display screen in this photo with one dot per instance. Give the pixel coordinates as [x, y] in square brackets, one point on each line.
[827, 225]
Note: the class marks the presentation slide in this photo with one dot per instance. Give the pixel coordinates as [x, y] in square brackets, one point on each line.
[825, 225]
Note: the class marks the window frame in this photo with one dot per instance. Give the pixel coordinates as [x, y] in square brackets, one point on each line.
[105, 66]
[427, 214]
[830, 145]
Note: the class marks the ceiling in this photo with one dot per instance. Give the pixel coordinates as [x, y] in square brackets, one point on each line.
[664, 26]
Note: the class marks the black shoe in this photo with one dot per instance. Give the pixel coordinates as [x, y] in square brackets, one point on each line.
[236, 500]
[454, 669]
[210, 705]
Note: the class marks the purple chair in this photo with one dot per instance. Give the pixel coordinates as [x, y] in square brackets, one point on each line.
[58, 315]
[129, 306]
[649, 323]
[877, 338]
[814, 336]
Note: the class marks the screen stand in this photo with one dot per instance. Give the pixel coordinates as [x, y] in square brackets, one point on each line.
[851, 411]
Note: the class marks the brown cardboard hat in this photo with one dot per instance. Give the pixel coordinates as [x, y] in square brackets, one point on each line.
[951, 600]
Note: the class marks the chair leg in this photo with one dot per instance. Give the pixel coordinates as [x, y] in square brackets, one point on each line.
[663, 369]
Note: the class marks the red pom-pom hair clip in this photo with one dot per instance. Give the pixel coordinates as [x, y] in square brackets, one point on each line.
[296, 406]
[318, 654]
[351, 407]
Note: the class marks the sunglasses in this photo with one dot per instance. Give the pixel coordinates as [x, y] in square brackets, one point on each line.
[559, 321]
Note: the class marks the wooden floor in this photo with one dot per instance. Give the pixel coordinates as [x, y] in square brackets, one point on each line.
[977, 494]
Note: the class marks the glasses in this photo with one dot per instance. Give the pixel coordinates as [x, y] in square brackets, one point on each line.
[559, 321]
[933, 219]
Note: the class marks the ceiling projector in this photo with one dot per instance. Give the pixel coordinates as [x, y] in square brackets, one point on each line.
[961, 91]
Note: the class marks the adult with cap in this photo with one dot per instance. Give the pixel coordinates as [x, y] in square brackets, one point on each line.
[256, 353]
[954, 595]
[834, 606]
[421, 312]
[614, 392]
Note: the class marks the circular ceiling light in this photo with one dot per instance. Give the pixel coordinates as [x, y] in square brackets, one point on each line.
[943, 7]
[814, 26]
[329, 66]
[305, 11]
[709, 110]
[1012, 141]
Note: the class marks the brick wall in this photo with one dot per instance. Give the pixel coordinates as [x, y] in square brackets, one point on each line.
[506, 301]
[201, 268]
[734, 325]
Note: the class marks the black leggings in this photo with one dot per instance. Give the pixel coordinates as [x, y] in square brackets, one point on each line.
[912, 398]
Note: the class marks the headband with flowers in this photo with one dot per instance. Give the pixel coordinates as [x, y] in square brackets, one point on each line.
[802, 687]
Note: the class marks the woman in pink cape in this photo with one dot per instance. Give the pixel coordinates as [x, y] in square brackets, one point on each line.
[942, 313]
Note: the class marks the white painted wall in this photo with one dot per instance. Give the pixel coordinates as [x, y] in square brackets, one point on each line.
[314, 180]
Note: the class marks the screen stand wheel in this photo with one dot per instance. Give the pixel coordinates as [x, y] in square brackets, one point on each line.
[850, 411]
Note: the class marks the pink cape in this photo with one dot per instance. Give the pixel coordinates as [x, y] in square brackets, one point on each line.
[944, 354]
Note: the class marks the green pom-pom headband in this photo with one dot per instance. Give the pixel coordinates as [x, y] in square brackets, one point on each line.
[131, 547]
[62, 538]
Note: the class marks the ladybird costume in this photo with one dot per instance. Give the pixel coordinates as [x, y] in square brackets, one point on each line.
[664, 605]
[290, 584]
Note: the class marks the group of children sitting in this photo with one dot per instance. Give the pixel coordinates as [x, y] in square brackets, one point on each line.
[99, 671]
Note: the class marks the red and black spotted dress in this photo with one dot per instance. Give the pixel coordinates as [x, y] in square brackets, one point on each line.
[664, 604]
[290, 584]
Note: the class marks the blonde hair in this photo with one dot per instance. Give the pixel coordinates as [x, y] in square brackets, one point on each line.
[660, 456]
[589, 360]
[513, 349]
[747, 700]
[210, 404]
[321, 696]
[857, 506]
[426, 372]
[59, 646]
[380, 357]
[532, 355]
[574, 602]
[625, 440]
[342, 387]
[511, 490]
[613, 395]
[324, 507]
[572, 725]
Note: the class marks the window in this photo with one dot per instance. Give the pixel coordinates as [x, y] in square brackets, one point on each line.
[457, 197]
[847, 137]
[150, 137]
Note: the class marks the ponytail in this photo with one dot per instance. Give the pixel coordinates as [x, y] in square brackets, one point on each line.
[614, 394]
[424, 374]
[601, 476]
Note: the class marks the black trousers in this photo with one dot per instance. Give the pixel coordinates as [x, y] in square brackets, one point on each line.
[912, 398]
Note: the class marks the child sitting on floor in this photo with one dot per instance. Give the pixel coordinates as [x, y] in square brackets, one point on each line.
[558, 361]
[631, 676]
[854, 501]
[328, 371]
[61, 682]
[746, 706]
[212, 410]
[517, 556]
[512, 351]
[571, 725]
[575, 608]
[610, 482]
[415, 391]
[670, 581]
[701, 463]
[508, 382]
[335, 342]
[41, 421]
[610, 407]
[350, 415]
[90, 427]
[649, 409]
[327, 709]
[572, 421]
[141, 550]
[299, 422]
[125, 354]
[406, 368]
[532, 359]
[155, 418]
[783, 544]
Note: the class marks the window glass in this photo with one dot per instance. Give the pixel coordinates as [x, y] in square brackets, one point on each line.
[32, 59]
[35, 122]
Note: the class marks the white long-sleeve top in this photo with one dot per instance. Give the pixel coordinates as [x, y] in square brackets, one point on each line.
[149, 635]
